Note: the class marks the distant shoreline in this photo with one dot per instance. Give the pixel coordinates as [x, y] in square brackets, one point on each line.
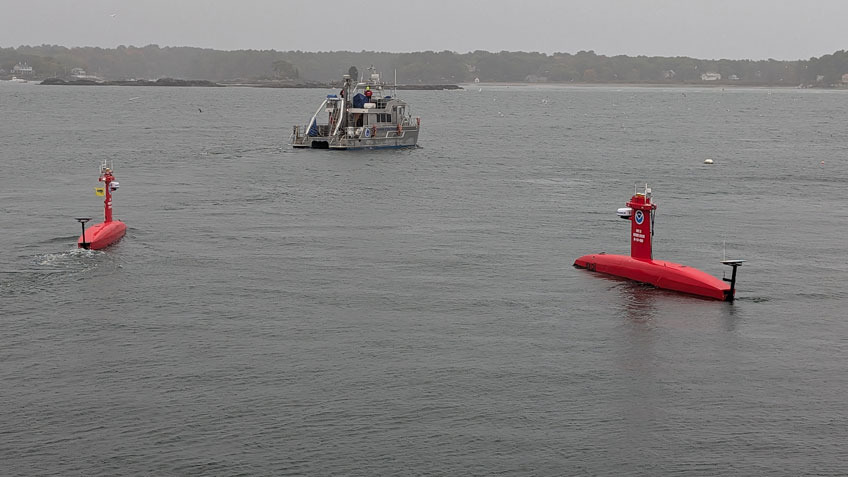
[408, 87]
[212, 84]
[159, 82]
[404, 87]
[419, 70]
[645, 85]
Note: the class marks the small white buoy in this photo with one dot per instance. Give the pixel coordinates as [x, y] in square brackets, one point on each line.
[708, 161]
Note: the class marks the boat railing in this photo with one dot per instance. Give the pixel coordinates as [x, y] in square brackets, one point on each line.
[300, 134]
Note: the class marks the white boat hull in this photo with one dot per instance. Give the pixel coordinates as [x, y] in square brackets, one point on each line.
[407, 138]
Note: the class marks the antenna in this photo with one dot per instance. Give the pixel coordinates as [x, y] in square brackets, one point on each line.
[106, 165]
[653, 217]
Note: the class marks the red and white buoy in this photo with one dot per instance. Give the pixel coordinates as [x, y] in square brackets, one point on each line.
[109, 231]
[641, 266]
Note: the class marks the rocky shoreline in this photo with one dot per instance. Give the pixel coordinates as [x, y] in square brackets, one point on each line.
[159, 82]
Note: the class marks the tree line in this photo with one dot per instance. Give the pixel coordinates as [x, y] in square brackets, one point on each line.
[426, 67]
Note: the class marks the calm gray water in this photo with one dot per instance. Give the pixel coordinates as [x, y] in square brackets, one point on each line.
[279, 312]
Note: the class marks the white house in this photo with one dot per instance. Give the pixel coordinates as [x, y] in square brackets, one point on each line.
[710, 76]
[22, 69]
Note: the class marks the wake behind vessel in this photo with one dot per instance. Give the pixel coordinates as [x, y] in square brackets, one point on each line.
[359, 117]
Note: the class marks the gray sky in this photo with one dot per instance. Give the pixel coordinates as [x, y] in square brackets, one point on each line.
[708, 29]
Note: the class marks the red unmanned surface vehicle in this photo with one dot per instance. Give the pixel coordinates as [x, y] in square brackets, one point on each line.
[109, 231]
[641, 266]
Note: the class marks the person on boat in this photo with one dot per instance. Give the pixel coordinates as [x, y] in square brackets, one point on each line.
[368, 94]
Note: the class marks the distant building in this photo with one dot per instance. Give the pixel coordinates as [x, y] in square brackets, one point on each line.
[733, 78]
[22, 69]
[535, 79]
[669, 74]
[710, 76]
[819, 78]
[80, 74]
[845, 78]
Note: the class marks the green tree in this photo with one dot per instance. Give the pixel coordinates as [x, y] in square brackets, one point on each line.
[284, 69]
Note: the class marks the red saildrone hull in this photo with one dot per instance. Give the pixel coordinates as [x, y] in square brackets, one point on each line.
[659, 273]
[102, 235]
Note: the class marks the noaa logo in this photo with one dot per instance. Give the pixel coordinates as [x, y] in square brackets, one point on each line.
[640, 217]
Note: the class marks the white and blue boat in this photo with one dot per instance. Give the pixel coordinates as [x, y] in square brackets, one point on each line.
[355, 119]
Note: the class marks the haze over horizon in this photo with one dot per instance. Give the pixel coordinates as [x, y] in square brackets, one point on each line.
[714, 29]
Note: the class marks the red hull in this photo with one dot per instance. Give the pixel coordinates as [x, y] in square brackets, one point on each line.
[103, 234]
[659, 273]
